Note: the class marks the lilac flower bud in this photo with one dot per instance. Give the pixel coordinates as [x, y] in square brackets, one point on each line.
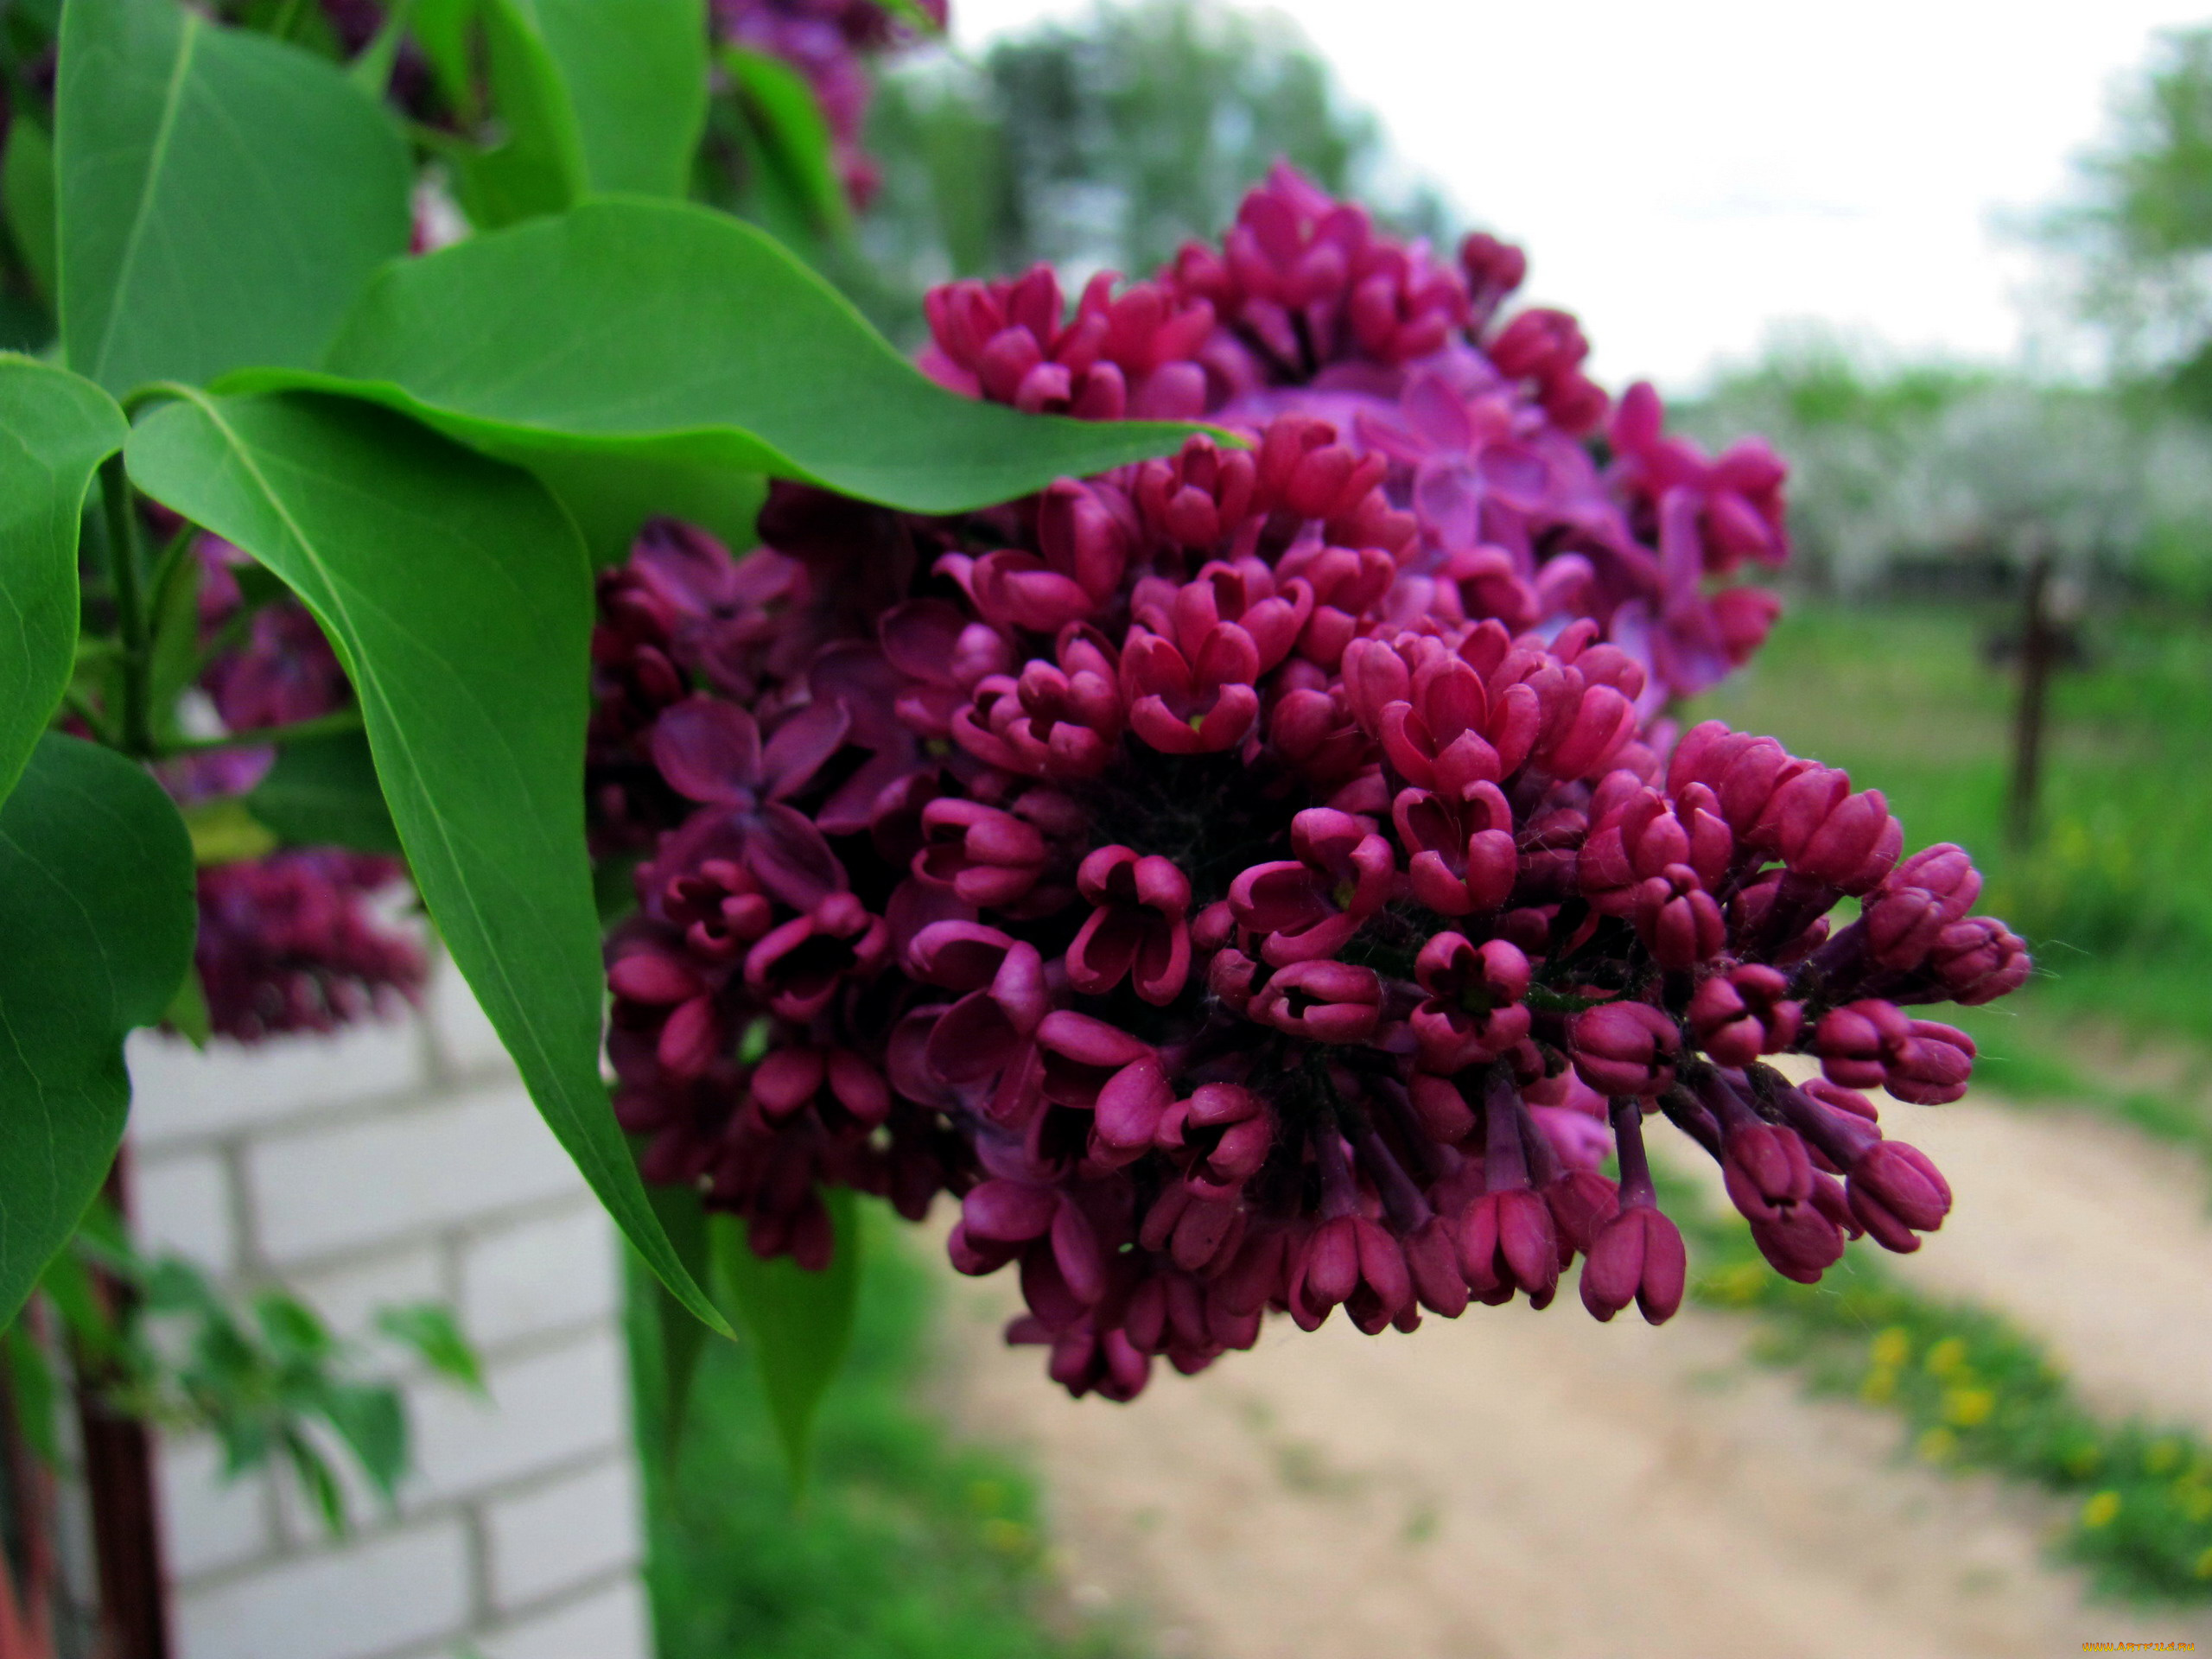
[1904, 1182]
[1355, 1262]
[1743, 1013]
[1637, 1256]
[1980, 960]
[1581, 1202]
[1802, 1245]
[1432, 1261]
[1625, 1048]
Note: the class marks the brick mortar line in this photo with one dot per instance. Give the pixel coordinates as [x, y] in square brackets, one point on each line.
[574, 1595]
[283, 1121]
[436, 1235]
[442, 1647]
[467, 1508]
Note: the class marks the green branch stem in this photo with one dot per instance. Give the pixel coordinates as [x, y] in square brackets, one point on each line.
[301, 731]
[96, 723]
[127, 580]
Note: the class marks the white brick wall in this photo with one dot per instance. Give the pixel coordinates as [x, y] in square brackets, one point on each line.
[401, 1163]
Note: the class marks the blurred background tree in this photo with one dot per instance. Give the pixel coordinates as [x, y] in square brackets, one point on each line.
[2137, 235]
[1103, 143]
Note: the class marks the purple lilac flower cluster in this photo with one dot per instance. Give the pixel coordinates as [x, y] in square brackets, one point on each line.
[1239, 894]
[1305, 307]
[829, 41]
[295, 941]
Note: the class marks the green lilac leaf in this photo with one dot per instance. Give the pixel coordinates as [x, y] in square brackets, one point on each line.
[314, 1474]
[668, 332]
[792, 136]
[371, 69]
[322, 791]
[222, 196]
[36, 1391]
[801, 1323]
[914, 15]
[96, 905]
[429, 1329]
[27, 199]
[635, 73]
[590, 95]
[224, 831]
[174, 660]
[610, 496]
[440, 29]
[291, 1329]
[457, 595]
[55, 430]
[539, 166]
[187, 1014]
[682, 1339]
[370, 1420]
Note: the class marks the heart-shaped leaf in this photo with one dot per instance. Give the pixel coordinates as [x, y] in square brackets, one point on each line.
[222, 195]
[96, 905]
[54, 431]
[457, 593]
[668, 333]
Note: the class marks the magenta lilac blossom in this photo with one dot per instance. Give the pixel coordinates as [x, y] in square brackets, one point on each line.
[309, 938]
[1481, 424]
[1254, 880]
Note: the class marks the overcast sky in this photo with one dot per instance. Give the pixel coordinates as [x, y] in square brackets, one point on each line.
[1689, 175]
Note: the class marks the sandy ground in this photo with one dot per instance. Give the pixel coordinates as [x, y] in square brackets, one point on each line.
[1525, 1485]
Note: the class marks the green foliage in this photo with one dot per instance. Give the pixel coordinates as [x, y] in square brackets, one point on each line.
[266, 1381]
[1975, 1392]
[2141, 219]
[678, 1337]
[668, 332]
[216, 203]
[907, 1546]
[458, 597]
[222, 196]
[801, 1322]
[55, 430]
[587, 95]
[27, 200]
[429, 1329]
[323, 793]
[635, 75]
[95, 908]
[537, 165]
[784, 138]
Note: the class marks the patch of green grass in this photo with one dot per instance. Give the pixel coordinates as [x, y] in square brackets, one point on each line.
[2116, 893]
[906, 1544]
[1975, 1392]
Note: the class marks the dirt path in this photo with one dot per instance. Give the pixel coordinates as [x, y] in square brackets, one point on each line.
[2096, 1237]
[1526, 1485]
